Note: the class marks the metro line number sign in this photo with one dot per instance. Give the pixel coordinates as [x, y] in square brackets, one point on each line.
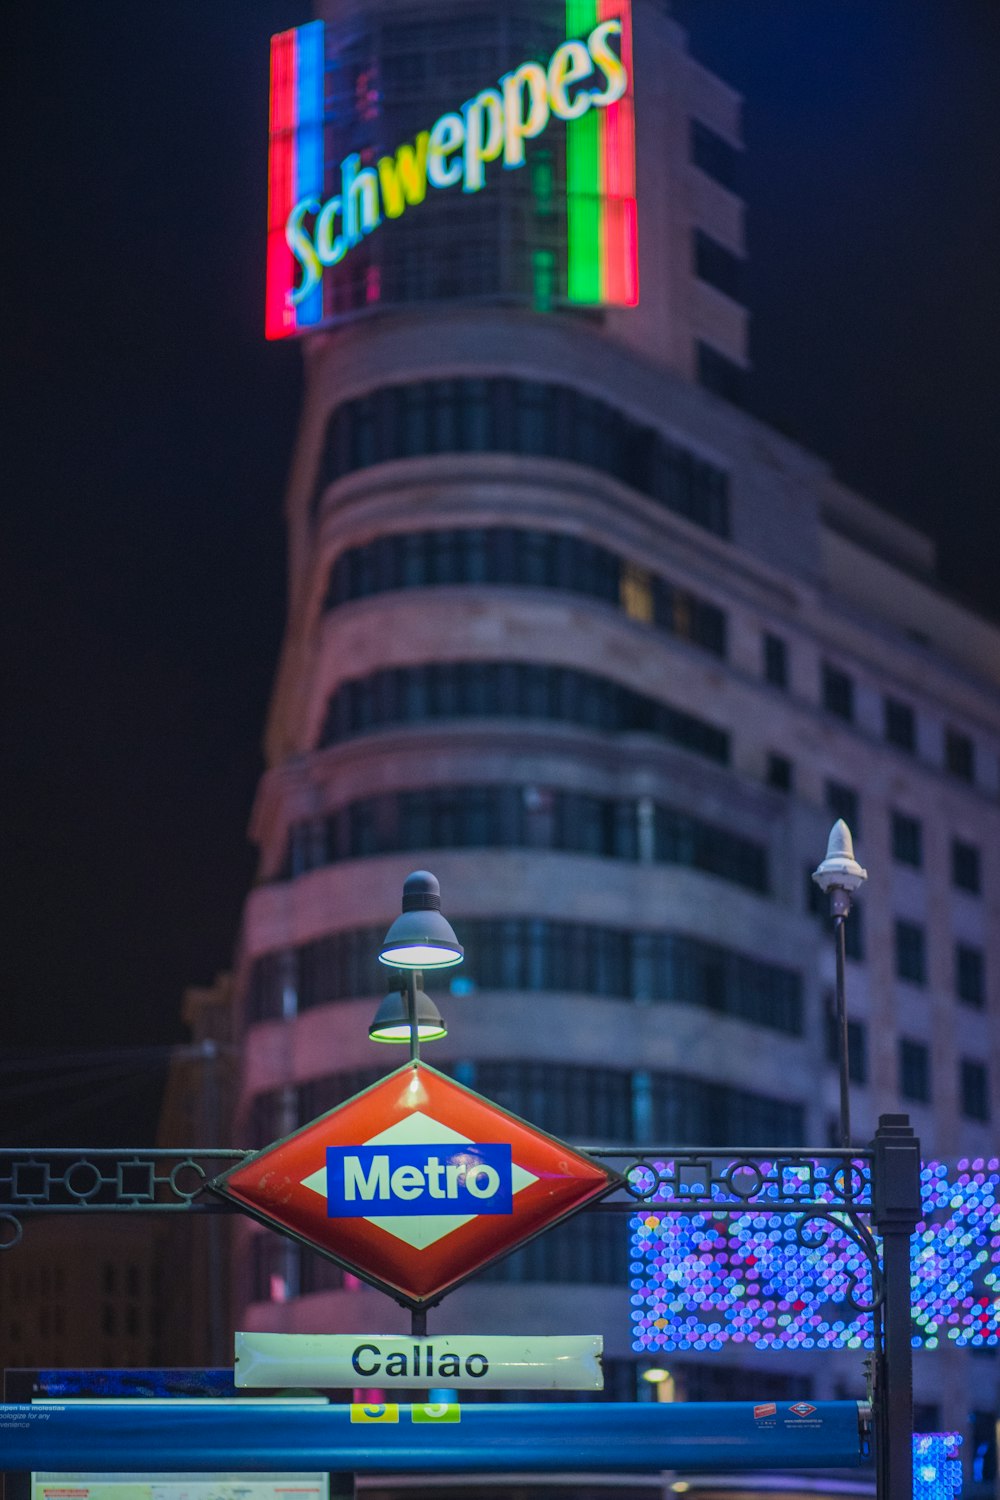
[415, 1184]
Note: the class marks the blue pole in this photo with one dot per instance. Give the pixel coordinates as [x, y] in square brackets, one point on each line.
[164, 1436]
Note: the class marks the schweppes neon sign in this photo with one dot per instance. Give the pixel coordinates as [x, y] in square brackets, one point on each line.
[586, 83]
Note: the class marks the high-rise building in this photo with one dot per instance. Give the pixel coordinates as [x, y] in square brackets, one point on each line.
[571, 629]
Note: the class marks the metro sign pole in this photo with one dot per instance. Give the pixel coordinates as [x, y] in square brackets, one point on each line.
[418, 1183]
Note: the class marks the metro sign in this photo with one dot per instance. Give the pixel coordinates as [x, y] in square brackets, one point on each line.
[415, 1184]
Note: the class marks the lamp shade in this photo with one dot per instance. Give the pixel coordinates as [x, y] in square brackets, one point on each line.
[392, 1024]
[420, 937]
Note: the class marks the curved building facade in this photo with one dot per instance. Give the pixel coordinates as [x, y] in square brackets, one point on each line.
[570, 629]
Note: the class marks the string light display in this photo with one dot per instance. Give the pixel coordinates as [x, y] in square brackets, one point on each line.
[937, 1468]
[701, 1281]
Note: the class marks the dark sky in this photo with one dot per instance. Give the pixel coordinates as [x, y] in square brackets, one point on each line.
[150, 426]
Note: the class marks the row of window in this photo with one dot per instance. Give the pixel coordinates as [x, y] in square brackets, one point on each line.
[531, 817]
[528, 418]
[602, 1106]
[518, 557]
[908, 849]
[837, 695]
[914, 1067]
[899, 723]
[444, 691]
[915, 1080]
[910, 949]
[531, 954]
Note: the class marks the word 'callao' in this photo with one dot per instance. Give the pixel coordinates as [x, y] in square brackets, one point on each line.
[421, 1362]
[455, 150]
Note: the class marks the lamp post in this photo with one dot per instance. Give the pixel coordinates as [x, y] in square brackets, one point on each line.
[839, 875]
[420, 938]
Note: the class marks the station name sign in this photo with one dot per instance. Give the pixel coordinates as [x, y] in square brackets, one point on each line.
[391, 1361]
[320, 210]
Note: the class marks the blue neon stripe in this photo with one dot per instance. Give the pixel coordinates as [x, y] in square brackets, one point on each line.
[309, 139]
[599, 1436]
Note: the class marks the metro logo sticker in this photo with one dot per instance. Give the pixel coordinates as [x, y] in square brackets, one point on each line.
[471, 1177]
[415, 1184]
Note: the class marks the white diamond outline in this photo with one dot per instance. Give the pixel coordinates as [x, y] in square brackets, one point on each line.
[417, 1128]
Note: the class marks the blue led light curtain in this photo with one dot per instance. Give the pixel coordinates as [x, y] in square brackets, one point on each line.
[702, 1282]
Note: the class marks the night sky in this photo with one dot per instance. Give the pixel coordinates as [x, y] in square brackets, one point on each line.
[149, 429]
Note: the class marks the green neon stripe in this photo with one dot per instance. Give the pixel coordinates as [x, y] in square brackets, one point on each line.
[584, 218]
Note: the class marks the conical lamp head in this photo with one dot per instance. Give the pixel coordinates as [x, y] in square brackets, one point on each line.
[421, 938]
[392, 1024]
[840, 870]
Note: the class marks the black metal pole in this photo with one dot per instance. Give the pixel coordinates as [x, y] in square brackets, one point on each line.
[840, 905]
[411, 1014]
[897, 1211]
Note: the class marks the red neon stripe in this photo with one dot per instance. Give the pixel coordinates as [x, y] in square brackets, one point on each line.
[620, 269]
[280, 319]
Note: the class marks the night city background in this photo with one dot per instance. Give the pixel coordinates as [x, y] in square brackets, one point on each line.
[149, 430]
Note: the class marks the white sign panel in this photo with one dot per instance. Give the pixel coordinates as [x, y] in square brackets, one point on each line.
[326, 1360]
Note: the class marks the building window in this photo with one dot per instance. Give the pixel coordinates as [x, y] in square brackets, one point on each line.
[720, 374]
[502, 415]
[966, 873]
[780, 772]
[842, 802]
[718, 266]
[857, 1044]
[483, 817]
[536, 956]
[914, 1071]
[959, 755]
[513, 557]
[900, 725]
[525, 690]
[715, 156]
[776, 661]
[911, 952]
[838, 692]
[970, 975]
[907, 840]
[974, 1088]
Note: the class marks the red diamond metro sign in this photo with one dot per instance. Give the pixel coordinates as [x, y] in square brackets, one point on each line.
[415, 1184]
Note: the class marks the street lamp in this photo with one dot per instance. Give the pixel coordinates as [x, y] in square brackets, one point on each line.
[420, 938]
[839, 876]
[392, 1019]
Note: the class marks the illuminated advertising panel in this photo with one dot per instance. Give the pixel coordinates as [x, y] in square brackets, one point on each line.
[466, 157]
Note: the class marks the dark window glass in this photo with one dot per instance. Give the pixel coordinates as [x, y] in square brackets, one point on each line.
[838, 692]
[526, 559]
[457, 690]
[900, 725]
[721, 375]
[966, 872]
[975, 1091]
[970, 974]
[780, 772]
[911, 952]
[983, 1446]
[842, 801]
[959, 755]
[696, 1112]
[717, 265]
[528, 417]
[776, 661]
[538, 956]
[907, 840]
[914, 1071]
[715, 156]
[591, 1250]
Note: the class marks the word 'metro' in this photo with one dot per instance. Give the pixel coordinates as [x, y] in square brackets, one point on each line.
[495, 123]
[375, 1181]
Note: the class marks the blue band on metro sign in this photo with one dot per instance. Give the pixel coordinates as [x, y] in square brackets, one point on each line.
[472, 1178]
